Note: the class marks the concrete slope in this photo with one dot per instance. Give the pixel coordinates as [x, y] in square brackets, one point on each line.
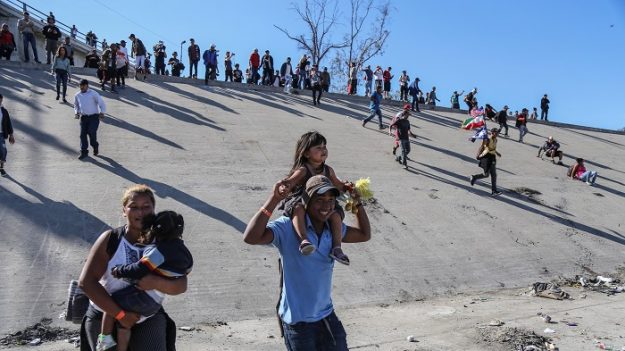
[214, 153]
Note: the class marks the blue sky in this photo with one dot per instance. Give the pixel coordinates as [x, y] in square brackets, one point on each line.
[513, 51]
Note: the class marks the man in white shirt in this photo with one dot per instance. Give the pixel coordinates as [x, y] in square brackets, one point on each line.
[122, 47]
[90, 108]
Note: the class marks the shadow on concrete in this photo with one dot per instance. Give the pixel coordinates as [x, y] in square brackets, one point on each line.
[609, 190]
[258, 98]
[607, 141]
[174, 89]
[61, 218]
[120, 123]
[45, 138]
[164, 190]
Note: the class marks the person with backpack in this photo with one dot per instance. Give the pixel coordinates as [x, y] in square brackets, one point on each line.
[454, 99]
[120, 246]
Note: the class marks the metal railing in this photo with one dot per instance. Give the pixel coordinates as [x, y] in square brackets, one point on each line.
[37, 15]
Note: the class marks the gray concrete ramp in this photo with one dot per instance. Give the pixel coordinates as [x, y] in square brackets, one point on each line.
[213, 154]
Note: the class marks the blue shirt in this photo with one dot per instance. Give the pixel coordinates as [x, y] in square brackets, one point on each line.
[307, 284]
[374, 104]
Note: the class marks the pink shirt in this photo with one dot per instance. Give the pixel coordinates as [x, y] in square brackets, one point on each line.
[580, 170]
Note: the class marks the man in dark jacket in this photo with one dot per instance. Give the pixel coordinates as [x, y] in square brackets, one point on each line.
[544, 107]
[6, 132]
[551, 149]
[267, 63]
[194, 58]
[502, 119]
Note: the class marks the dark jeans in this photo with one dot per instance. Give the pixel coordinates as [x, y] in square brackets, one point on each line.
[29, 38]
[151, 335]
[3, 149]
[255, 75]
[503, 125]
[316, 93]
[325, 87]
[353, 86]
[191, 65]
[492, 171]
[267, 73]
[415, 103]
[327, 334]
[6, 51]
[469, 105]
[61, 77]
[228, 75]
[455, 105]
[160, 65]
[89, 127]
[373, 113]
[120, 74]
[403, 93]
[543, 114]
[211, 72]
[405, 150]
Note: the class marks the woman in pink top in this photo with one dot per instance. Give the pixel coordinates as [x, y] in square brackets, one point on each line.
[580, 172]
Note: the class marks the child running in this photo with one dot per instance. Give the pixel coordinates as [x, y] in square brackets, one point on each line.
[310, 156]
[169, 257]
[395, 133]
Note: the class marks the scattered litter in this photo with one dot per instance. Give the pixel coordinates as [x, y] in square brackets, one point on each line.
[549, 331]
[599, 283]
[508, 338]
[75, 341]
[186, 328]
[548, 290]
[547, 318]
[411, 338]
[37, 334]
[496, 323]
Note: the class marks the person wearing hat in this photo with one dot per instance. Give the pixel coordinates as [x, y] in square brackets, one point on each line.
[306, 313]
[551, 148]
[502, 119]
[487, 155]
[194, 58]
[210, 62]
[414, 91]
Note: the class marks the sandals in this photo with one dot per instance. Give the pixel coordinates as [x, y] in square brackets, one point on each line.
[306, 248]
[338, 255]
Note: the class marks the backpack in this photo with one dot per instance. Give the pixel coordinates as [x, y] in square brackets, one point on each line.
[77, 301]
[569, 172]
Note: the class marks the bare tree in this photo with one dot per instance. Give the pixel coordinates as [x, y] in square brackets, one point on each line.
[319, 22]
[366, 37]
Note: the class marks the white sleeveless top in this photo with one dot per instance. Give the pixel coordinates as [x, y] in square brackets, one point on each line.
[126, 253]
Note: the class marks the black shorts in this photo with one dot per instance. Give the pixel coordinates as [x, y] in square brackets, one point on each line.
[387, 86]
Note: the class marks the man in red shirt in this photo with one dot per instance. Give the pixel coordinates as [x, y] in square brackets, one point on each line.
[386, 76]
[254, 65]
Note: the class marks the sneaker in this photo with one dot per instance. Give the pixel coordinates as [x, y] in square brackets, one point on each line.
[394, 150]
[405, 166]
[338, 255]
[95, 151]
[398, 159]
[381, 127]
[3, 173]
[64, 100]
[496, 193]
[589, 183]
[306, 248]
[363, 123]
[105, 342]
[472, 180]
[82, 155]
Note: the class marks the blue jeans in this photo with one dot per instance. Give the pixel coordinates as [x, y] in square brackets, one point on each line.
[368, 85]
[589, 177]
[89, 126]
[378, 112]
[3, 149]
[327, 334]
[302, 80]
[61, 78]
[543, 114]
[522, 132]
[29, 38]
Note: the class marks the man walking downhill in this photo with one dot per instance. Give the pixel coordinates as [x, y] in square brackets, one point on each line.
[305, 310]
[374, 107]
[90, 108]
[27, 28]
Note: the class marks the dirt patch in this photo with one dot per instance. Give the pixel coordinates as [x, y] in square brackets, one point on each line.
[530, 194]
[42, 331]
[512, 339]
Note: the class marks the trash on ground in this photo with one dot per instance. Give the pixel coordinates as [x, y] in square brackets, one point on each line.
[411, 338]
[508, 338]
[184, 328]
[42, 331]
[496, 323]
[549, 331]
[548, 290]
